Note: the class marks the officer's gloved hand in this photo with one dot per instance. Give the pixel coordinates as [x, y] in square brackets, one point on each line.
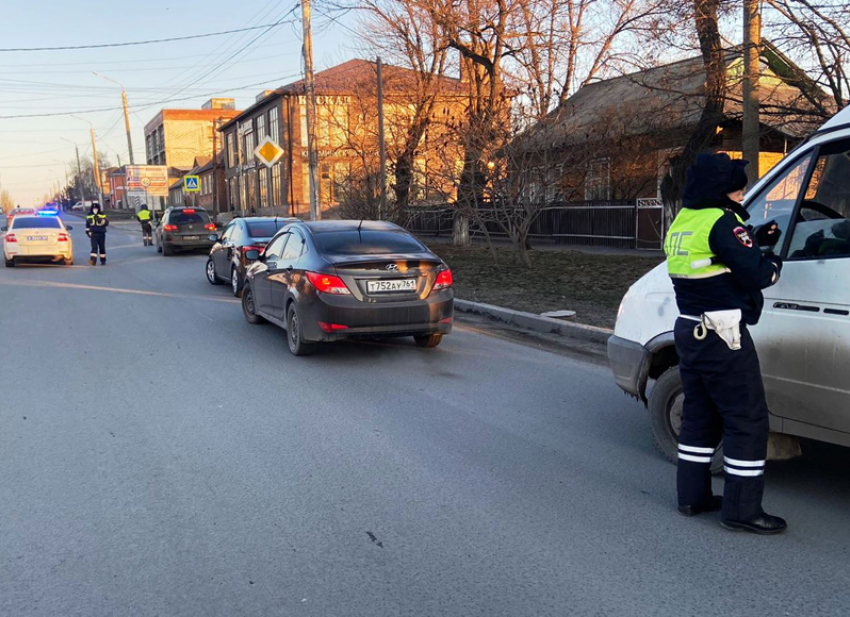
[767, 234]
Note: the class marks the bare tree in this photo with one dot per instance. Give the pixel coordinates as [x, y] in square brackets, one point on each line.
[706, 17]
[819, 36]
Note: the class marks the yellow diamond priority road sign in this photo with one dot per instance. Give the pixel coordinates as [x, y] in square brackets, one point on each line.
[268, 152]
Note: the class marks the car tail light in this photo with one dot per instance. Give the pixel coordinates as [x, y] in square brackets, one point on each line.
[169, 228]
[328, 284]
[253, 247]
[63, 237]
[331, 327]
[189, 211]
[11, 238]
[444, 280]
[446, 321]
[210, 226]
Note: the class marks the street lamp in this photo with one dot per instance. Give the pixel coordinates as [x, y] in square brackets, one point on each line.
[79, 170]
[126, 114]
[96, 165]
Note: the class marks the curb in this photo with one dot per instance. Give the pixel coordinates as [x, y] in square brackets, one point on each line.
[591, 334]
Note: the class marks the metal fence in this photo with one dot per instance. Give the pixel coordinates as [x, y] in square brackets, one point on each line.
[619, 224]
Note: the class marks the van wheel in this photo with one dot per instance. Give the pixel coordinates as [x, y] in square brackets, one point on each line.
[665, 413]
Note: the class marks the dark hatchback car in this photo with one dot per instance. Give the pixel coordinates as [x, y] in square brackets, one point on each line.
[183, 229]
[330, 280]
[227, 261]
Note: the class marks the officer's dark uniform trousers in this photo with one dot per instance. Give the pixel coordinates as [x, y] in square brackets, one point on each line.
[98, 244]
[724, 398]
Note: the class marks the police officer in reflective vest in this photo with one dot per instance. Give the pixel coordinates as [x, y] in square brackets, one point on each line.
[96, 223]
[144, 217]
[718, 273]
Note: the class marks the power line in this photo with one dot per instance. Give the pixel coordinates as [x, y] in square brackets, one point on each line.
[151, 104]
[147, 42]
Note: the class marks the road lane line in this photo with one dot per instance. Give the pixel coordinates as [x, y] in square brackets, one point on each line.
[140, 292]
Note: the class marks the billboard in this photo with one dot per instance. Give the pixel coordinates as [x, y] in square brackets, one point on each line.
[150, 179]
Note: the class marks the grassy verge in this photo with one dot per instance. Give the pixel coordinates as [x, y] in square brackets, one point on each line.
[591, 284]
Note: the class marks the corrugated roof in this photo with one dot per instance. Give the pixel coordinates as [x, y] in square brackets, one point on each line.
[663, 99]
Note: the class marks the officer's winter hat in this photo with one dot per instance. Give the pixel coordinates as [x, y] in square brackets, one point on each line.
[712, 177]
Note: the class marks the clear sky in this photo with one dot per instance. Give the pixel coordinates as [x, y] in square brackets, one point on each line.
[182, 74]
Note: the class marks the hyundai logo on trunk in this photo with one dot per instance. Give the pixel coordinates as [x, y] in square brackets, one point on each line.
[392, 267]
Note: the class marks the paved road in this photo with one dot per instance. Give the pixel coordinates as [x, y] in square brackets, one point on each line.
[159, 456]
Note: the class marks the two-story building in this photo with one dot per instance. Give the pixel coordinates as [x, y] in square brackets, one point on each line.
[345, 129]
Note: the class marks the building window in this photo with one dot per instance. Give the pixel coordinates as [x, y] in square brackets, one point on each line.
[231, 152]
[233, 194]
[247, 130]
[261, 127]
[274, 124]
[264, 187]
[597, 185]
[276, 195]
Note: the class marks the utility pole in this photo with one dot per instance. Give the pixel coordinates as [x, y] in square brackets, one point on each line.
[127, 125]
[126, 114]
[96, 170]
[382, 147]
[215, 170]
[752, 69]
[80, 176]
[315, 202]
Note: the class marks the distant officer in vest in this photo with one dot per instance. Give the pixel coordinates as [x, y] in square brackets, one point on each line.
[144, 217]
[718, 273]
[96, 224]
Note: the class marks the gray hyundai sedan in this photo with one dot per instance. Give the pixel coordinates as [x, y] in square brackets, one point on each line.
[330, 280]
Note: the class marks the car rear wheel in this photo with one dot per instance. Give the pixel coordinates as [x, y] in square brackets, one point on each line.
[428, 341]
[294, 335]
[167, 250]
[212, 277]
[10, 263]
[665, 411]
[249, 309]
[235, 281]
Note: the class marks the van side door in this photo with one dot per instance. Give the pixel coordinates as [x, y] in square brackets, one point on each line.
[804, 337]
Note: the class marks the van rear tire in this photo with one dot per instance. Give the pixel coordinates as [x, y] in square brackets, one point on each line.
[665, 413]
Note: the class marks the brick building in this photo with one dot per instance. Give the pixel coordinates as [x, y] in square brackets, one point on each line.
[346, 132]
[174, 137]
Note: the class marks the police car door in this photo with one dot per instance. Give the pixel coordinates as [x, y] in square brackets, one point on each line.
[803, 341]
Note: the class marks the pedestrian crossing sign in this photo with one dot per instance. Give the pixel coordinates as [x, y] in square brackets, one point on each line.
[192, 184]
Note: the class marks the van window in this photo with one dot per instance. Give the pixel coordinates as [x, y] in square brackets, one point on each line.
[776, 201]
[822, 228]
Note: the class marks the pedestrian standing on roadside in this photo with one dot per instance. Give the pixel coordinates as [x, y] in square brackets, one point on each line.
[96, 224]
[718, 273]
[144, 217]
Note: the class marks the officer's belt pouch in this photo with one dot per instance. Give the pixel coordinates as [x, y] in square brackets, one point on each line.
[727, 324]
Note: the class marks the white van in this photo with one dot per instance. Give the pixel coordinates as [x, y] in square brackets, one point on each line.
[803, 337]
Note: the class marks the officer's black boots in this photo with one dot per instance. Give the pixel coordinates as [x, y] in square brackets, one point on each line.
[102, 260]
[763, 524]
[712, 505]
[93, 261]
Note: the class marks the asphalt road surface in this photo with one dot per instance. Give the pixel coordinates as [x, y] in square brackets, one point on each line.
[160, 456]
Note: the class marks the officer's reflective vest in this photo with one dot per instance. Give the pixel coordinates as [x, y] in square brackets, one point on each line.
[94, 219]
[144, 215]
[687, 244]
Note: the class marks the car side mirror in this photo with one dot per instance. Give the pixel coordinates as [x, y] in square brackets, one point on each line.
[213, 238]
[252, 255]
[69, 227]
